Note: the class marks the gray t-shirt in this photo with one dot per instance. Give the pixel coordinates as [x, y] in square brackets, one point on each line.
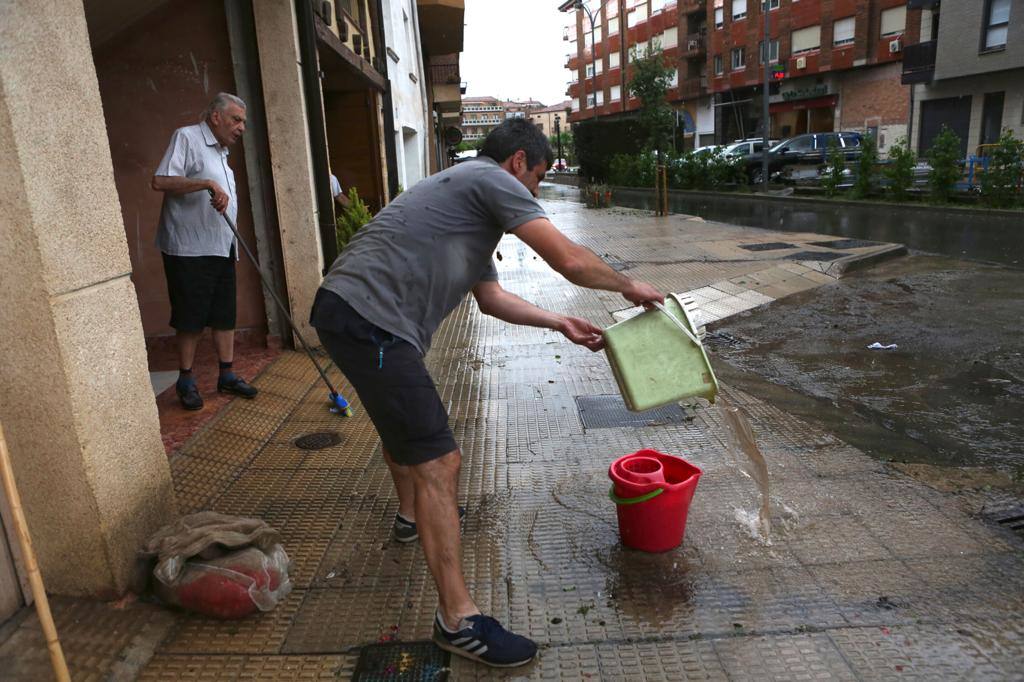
[413, 264]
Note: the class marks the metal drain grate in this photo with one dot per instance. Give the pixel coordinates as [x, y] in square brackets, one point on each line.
[845, 244]
[813, 255]
[318, 440]
[767, 246]
[608, 411]
[402, 661]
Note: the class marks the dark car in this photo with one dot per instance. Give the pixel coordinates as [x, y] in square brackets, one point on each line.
[801, 157]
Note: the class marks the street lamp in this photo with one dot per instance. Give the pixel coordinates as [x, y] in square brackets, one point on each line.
[574, 5]
[558, 139]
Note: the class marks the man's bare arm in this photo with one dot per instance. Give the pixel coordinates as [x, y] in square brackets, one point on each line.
[176, 184]
[493, 300]
[580, 265]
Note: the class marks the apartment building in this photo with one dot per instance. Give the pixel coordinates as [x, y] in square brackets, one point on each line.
[967, 72]
[835, 64]
[544, 118]
[480, 115]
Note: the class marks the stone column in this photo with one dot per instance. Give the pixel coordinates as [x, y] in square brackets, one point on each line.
[75, 397]
[277, 36]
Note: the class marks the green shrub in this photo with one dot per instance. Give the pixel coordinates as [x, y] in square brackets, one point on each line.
[867, 171]
[352, 217]
[900, 171]
[832, 175]
[1000, 183]
[947, 165]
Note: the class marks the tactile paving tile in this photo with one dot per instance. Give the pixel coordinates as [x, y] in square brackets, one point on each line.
[198, 481]
[351, 615]
[916, 652]
[229, 668]
[980, 585]
[552, 663]
[882, 592]
[282, 386]
[222, 446]
[671, 660]
[783, 658]
[261, 633]
[831, 539]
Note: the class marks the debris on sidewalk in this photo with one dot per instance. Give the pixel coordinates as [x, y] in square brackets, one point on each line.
[878, 346]
[221, 566]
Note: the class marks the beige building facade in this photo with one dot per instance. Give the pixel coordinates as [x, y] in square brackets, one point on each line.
[84, 304]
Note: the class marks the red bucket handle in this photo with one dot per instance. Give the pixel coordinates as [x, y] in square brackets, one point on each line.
[633, 500]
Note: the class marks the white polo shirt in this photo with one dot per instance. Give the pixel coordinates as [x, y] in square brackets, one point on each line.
[189, 225]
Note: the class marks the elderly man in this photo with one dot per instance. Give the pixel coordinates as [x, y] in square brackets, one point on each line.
[381, 303]
[198, 247]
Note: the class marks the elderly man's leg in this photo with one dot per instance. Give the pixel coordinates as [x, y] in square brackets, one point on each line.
[185, 387]
[228, 381]
[437, 519]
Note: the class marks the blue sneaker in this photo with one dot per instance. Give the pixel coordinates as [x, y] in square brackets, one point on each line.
[481, 638]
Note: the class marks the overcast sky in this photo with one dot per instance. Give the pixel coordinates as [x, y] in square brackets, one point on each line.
[514, 50]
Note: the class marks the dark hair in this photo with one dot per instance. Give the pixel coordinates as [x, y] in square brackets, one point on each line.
[515, 134]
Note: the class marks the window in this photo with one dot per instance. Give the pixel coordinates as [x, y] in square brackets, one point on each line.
[590, 70]
[806, 39]
[719, 17]
[894, 20]
[600, 97]
[613, 60]
[739, 9]
[616, 93]
[670, 38]
[997, 19]
[637, 15]
[613, 26]
[575, 103]
[639, 51]
[772, 4]
[773, 52]
[842, 31]
[739, 58]
[591, 101]
[718, 65]
[657, 5]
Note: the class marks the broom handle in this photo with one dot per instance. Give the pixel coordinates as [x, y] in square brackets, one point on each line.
[60, 667]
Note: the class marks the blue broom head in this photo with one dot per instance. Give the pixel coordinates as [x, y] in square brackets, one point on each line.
[339, 405]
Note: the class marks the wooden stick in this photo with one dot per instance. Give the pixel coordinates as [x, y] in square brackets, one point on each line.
[35, 579]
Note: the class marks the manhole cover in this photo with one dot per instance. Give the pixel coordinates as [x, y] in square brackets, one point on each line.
[845, 244]
[813, 255]
[318, 440]
[608, 411]
[402, 661]
[767, 246]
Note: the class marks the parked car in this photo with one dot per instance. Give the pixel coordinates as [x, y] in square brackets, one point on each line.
[802, 157]
[709, 149]
[743, 148]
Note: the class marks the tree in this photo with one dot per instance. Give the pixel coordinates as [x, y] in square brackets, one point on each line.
[1001, 180]
[649, 83]
[947, 165]
[834, 167]
[864, 184]
[900, 171]
[352, 217]
[568, 148]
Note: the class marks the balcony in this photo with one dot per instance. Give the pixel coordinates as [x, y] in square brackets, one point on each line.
[693, 87]
[692, 6]
[441, 25]
[919, 62]
[446, 84]
[693, 45]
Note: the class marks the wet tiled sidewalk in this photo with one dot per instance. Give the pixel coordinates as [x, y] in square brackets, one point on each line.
[869, 575]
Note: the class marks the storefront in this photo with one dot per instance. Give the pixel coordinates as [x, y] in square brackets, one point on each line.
[799, 109]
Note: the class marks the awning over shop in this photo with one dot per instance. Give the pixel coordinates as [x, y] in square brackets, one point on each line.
[801, 104]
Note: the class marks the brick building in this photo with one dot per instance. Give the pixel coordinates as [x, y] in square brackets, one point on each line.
[837, 63]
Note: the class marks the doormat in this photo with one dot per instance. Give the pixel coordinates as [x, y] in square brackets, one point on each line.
[608, 411]
[402, 662]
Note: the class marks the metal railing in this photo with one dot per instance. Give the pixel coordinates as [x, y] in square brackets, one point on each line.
[919, 62]
[445, 74]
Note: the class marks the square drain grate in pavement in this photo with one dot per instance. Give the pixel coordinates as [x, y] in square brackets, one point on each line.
[845, 244]
[813, 255]
[608, 411]
[767, 246]
[402, 661]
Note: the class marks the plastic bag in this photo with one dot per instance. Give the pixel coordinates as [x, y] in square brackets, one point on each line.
[232, 586]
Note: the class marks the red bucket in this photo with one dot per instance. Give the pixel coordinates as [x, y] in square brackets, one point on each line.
[652, 493]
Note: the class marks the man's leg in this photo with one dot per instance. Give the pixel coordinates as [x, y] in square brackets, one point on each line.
[185, 387]
[404, 486]
[224, 343]
[187, 344]
[435, 486]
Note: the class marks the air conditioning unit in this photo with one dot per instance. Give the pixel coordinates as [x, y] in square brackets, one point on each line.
[895, 46]
[801, 62]
[692, 45]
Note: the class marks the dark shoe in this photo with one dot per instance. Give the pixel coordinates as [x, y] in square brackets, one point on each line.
[405, 530]
[189, 396]
[481, 638]
[237, 386]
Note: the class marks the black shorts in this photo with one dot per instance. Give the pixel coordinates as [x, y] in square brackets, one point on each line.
[202, 292]
[391, 379]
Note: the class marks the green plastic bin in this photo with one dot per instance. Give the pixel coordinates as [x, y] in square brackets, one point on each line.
[656, 362]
